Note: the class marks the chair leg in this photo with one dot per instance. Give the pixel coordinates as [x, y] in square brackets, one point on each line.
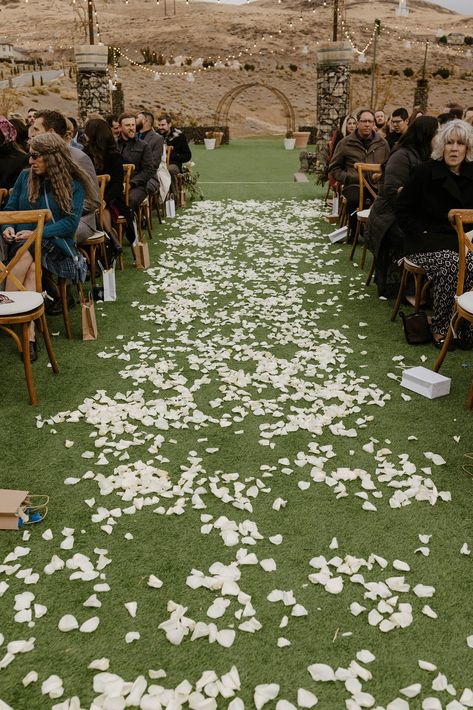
[418, 293]
[148, 221]
[371, 272]
[121, 262]
[62, 283]
[47, 342]
[25, 341]
[363, 257]
[355, 240]
[93, 263]
[400, 294]
[448, 339]
[469, 399]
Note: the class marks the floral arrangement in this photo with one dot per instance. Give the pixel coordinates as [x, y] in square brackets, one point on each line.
[190, 181]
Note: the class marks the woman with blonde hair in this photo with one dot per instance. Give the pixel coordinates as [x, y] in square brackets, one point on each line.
[440, 184]
[54, 182]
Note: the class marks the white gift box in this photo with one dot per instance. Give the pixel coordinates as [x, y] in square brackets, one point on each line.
[425, 382]
[338, 235]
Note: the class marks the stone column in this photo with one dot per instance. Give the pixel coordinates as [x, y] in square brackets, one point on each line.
[333, 86]
[93, 91]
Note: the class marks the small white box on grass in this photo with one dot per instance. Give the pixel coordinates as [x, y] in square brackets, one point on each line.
[425, 382]
[338, 235]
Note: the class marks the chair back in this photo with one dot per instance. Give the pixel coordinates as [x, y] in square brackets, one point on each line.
[38, 217]
[128, 170]
[365, 171]
[3, 196]
[103, 181]
[459, 218]
[168, 154]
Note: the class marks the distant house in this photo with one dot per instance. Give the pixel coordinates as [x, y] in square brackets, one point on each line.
[10, 53]
[456, 38]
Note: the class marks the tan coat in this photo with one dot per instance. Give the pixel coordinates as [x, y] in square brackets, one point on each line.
[350, 150]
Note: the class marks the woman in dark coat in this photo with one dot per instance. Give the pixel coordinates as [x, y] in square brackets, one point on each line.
[382, 233]
[12, 158]
[443, 183]
[102, 150]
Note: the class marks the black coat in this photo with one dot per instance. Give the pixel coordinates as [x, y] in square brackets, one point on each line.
[12, 162]
[113, 166]
[139, 153]
[423, 205]
[181, 153]
[396, 173]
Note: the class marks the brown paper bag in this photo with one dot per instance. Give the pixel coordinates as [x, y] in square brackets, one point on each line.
[89, 324]
[11, 502]
[141, 252]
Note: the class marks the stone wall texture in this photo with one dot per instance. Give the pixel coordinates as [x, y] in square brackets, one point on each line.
[93, 93]
[333, 91]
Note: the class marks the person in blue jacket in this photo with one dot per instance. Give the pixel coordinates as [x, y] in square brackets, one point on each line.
[52, 182]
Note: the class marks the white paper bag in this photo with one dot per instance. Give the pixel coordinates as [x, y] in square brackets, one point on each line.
[109, 284]
[335, 206]
[170, 208]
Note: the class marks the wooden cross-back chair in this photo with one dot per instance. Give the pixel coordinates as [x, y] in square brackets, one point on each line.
[463, 309]
[365, 189]
[26, 307]
[97, 240]
[128, 170]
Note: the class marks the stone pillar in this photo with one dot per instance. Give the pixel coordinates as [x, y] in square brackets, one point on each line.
[118, 99]
[93, 91]
[421, 95]
[333, 86]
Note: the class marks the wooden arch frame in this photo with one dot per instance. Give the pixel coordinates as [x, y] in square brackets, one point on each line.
[224, 105]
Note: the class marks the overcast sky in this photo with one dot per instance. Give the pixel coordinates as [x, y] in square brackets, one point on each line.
[463, 6]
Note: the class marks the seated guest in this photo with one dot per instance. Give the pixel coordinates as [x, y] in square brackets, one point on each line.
[380, 120]
[180, 154]
[146, 132]
[55, 122]
[132, 150]
[442, 183]
[74, 138]
[12, 158]
[382, 234]
[102, 150]
[364, 145]
[22, 137]
[398, 125]
[112, 121]
[453, 108]
[54, 182]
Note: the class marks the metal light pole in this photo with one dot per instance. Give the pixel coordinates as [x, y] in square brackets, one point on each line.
[90, 15]
[373, 66]
[335, 20]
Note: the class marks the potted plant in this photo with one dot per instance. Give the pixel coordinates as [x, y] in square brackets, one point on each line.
[289, 141]
[209, 140]
[301, 138]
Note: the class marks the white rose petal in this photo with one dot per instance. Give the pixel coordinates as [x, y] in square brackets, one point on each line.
[68, 623]
[306, 699]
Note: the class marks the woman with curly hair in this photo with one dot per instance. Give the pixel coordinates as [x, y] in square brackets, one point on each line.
[56, 183]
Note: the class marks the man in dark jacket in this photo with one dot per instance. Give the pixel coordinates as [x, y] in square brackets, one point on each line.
[364, 145]
[146, 133]
[137, 152]
[180, 153]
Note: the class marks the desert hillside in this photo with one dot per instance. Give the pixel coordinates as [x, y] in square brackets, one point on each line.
[276, 42]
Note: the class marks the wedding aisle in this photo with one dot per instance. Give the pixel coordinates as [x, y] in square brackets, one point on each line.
[249, 511]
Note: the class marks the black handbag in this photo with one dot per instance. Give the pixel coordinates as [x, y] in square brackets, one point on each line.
[416, 328]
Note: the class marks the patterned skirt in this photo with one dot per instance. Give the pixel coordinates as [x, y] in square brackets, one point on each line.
[72, 268]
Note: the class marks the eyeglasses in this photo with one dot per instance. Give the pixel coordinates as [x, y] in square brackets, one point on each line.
[35, 156]
[366, 120]
[397, 122]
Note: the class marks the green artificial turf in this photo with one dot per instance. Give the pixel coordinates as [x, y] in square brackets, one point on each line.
[170, 546]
